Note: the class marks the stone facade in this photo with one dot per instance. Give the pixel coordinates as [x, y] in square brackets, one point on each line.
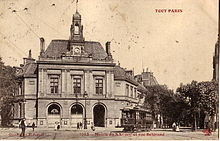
[75, 81]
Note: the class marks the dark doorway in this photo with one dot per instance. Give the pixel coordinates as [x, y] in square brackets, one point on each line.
[53, 117]
[99, 116]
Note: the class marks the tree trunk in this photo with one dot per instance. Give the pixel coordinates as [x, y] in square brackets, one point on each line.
[194, 125]
[195, 122]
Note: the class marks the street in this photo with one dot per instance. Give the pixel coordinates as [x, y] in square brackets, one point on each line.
[105, 134]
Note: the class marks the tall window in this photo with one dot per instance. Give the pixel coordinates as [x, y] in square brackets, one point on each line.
[99, 86]
[54, 83]
[77, 85]
[127, 89]
[131, 91]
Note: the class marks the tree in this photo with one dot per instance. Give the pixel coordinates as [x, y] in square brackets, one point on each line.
[201, 97]
[8, 85]
[165, 103]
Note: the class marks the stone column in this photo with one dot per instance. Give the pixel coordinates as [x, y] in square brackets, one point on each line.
[40, 81]
[111, 83]
[86, 82]
[107, 83]
[44, 80]
[63, 83]
[68, 82]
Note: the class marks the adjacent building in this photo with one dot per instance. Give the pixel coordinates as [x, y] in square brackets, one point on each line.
[216, 62]
[75, 81]
[146, 78]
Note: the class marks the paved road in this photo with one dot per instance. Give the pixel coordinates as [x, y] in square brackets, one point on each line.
[102, 134]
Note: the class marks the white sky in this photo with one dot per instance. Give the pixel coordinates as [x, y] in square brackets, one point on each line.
[177, 47]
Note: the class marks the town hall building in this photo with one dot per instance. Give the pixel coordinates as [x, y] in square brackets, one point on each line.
[75, 81]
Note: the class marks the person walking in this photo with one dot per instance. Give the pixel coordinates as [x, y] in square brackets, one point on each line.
[22, 126]
[33, 126]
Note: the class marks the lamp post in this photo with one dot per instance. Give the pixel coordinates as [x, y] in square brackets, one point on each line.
[85, 120]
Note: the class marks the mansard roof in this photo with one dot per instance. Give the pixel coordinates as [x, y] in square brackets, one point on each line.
[120, 74]
[57, 47]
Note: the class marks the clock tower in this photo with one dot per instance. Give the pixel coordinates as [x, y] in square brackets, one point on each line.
[76, 34]
[76, 30]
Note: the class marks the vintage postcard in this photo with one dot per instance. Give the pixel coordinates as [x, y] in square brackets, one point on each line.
[109, 69]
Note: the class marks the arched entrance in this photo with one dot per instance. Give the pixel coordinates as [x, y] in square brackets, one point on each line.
[99, 115]
[76, 115]
[53, 117]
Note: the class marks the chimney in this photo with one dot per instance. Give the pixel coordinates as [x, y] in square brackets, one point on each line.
[29, 54]
[42, 46]
[29, 59]
[107, 45]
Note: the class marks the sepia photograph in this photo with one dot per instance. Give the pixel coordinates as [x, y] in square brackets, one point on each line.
[109, 69]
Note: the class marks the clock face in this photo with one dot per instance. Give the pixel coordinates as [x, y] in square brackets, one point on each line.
[77, 50]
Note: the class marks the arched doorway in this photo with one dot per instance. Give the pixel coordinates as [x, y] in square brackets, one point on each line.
[99, 115]
[76, 115]
[53, 117]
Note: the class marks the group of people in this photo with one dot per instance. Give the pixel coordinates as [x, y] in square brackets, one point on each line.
[23, 125]
[79, 126]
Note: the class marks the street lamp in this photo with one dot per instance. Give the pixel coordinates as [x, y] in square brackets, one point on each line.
[85, 95]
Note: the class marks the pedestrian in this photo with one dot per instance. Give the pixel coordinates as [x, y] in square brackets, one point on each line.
[77, 125]
[177, 127]
[174, 126]
[93, 127]
[80, 125]
[55, 126]
[22, 126]
[58, 126]
[206, 120]
[209, 128]
[33, 126]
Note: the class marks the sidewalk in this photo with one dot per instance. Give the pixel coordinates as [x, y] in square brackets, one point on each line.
[72, 133]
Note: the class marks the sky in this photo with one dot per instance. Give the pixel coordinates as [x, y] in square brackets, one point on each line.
[176, 46]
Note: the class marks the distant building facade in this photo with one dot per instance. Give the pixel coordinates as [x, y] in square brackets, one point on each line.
[146, 78]
[75, 81]
[216, 62]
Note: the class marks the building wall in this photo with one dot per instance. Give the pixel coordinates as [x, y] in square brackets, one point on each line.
[66, 98]
[30, 111]
[30, 88]
[114, 98]
[112, 111]
[88, 75]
